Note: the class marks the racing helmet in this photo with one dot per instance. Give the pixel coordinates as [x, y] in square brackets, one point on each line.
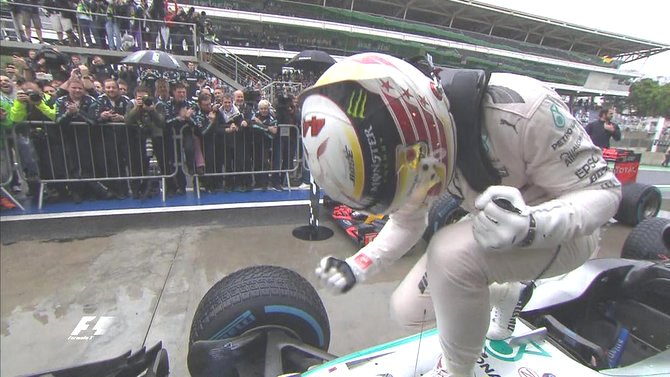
[376, 132]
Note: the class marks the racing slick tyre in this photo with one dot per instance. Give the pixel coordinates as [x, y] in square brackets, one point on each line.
[445, 210]
[262, 297]
[648, 240]
[638, 202]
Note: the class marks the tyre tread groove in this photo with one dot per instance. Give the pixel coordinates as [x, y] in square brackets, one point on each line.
[255, 283]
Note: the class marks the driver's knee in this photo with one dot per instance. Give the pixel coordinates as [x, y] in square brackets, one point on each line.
[454, 257]
[407, 314]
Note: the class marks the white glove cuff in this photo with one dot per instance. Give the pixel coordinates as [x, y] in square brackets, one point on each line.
[552, 224]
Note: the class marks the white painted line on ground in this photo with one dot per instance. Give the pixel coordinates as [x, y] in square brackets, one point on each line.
[141, 211]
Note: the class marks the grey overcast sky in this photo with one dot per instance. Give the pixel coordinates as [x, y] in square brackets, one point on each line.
[645, 19]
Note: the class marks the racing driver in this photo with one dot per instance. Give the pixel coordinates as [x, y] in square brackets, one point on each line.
[383, 137]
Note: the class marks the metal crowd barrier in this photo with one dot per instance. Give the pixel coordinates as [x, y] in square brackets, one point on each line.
[78, 153]
[253, 153]
[8, 164]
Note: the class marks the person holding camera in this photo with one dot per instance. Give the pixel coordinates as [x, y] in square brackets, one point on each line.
[32, 142]
[31, 104]
[143, 122]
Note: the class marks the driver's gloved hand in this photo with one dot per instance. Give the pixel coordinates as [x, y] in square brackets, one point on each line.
[336, 275]
[503, 220]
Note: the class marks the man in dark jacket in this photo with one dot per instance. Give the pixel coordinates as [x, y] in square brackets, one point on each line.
[178, 112]
[603, 129]
[77, 107]
[112, 153]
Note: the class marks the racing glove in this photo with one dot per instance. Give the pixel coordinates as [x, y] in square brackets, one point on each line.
[335, 275]
[505, 221]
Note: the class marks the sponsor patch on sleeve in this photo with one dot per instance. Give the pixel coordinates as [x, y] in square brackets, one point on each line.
[363, 261]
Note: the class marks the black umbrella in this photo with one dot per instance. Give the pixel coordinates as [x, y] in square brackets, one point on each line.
[154, 59]
[311, 59]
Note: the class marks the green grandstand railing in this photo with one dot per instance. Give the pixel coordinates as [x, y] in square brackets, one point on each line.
[384, 22]
[345, 43]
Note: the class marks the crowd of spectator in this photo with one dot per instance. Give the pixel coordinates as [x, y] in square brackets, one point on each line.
[130, 25]
[113, 24]
[95, 124]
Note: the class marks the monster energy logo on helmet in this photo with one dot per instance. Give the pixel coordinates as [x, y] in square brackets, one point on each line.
[357, 101]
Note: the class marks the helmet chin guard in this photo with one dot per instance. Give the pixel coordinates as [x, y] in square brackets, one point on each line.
[376, 134]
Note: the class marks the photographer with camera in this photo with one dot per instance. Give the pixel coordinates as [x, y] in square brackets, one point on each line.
[32, 105]
[143, 122]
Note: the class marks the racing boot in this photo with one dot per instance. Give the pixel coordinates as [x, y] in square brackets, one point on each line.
[440, 371]
[507, 300]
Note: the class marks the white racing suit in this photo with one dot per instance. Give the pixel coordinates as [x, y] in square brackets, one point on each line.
[536, 146]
